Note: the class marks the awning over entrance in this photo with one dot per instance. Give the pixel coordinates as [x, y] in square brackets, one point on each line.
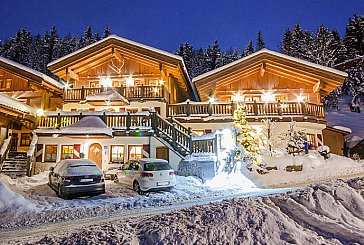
[111, 97]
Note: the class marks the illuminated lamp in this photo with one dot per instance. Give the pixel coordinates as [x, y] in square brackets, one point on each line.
[160, 82]
[106, 82]
[300, 99]
[211, 99]
[268, 97]
[40, 112]
[108, 103]
[129, 81]
[237, 97]
[67, 86]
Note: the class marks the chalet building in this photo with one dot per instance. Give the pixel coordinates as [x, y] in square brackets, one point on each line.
[123, 100]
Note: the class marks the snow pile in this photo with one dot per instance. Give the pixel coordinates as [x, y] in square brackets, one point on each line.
[4, 146]
[11, 201]
[314, 168]
[329, 213]
[34, 142]
[15, 104]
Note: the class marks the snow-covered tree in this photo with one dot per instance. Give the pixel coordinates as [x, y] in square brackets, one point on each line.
[354, 36]
[212, 57]
[295, 139]
[271, 140]
[249, 49]
[106, 32]
[260, 42]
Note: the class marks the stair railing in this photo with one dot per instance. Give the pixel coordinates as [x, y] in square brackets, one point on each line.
[31, 154]
[4, 151]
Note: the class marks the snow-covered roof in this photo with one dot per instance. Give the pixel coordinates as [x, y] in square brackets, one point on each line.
[266, 51]
[16, 105]
[109, 95]
[120, 39]
[42, 76]
[342, 128]
[86, 126]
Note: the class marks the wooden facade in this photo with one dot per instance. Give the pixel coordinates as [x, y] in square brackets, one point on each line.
[283, 77]
[136, 71]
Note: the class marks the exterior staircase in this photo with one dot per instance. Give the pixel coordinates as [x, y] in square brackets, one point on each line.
[15, 164]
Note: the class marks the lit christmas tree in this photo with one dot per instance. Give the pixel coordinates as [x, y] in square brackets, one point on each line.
[246, 135]
[296, 139]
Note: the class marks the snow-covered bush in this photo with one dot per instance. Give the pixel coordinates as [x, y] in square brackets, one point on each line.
[324, 151]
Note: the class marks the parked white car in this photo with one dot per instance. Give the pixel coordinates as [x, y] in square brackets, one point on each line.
[146, 174]
[76, 177]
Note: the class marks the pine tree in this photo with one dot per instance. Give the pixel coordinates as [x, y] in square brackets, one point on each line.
[87, 38]
[212, 57]
[271, 140]
[260, 42]
[296, 139]
[106, 32]
[354, 36]
[297, 45]
[189, 57]
[249, 49]
[287, 43]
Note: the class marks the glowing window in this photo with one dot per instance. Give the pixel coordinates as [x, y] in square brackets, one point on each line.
[50, 153]
[67, 151]
[135, 151]
[117, 153]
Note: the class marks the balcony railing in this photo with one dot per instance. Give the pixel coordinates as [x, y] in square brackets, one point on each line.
[130, 93]
[254, 109]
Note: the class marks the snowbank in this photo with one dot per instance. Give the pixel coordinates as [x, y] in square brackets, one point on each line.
[314, 168]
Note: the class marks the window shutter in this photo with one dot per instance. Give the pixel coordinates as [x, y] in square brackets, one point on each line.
[76, 151]
[39, 153]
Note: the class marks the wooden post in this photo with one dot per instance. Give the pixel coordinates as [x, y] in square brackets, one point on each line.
[188, 108]
[232, 108]
[279, 108]
[82, 93]
[189, 131]
[174, 136]
[191, 144]
[104, 117]
[255, 107]
[210, 108]
[215, 147]
[59, 120]
[128, 120]
[81, 116]
[29, 162]
[142, 92]
[303, 108]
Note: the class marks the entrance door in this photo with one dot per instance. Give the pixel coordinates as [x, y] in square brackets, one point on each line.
[14, 142]
[162, 153]
[95, 154]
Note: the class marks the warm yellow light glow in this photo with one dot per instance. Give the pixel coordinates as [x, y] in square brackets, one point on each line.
[211, 99]
[160, 82]
[268, 96]
[106, 82]
[67, 86]
[283, 106]
[40, 112]
[129, 81]
[237, 97]
[300, 99]
[156, 90]
[108, 103]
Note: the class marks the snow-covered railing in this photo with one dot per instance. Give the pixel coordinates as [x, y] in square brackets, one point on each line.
[254, 109]
[129, 92]
[4, 151]
[118, 120]
[30, 154]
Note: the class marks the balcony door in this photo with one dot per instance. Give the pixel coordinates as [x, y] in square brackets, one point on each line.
[95, 154]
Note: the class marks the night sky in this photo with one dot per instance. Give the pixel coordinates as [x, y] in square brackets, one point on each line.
[166, 24]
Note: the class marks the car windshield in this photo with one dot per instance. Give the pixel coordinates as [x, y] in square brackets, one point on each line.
[157, 166]
[83, 169]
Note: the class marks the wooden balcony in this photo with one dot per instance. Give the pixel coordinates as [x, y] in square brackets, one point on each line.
[225, 110]
[130, 93]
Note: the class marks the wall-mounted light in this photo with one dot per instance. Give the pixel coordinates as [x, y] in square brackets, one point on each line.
[160, 82]
[237, 97]
[106, 82]
[40, 112]
[108, 103]
[300, 99]
[211, 99]
[268, 96]
[67, 86]
[129, 81]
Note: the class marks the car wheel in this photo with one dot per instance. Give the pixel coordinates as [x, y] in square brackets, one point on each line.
[136, 188]
[116, 180]
[60, 192]
[355, 156]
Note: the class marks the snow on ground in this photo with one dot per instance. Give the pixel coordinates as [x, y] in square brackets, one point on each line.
[328, 213]
[346, 118]
[315, 168]
[50, 208]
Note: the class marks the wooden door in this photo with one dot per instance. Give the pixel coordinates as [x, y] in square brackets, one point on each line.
[162, 153]
[14, 142]
[95, 154]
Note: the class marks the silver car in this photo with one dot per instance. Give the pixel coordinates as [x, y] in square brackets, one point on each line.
[76, 177]
[146, 174]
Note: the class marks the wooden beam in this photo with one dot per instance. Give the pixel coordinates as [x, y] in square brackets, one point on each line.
[71, 74]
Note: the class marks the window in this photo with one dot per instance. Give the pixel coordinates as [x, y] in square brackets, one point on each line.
[135, 151]
[117, 153]
[26, 138]
[311, 140]
[67, 151]
[50, 153]
[198, 132]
